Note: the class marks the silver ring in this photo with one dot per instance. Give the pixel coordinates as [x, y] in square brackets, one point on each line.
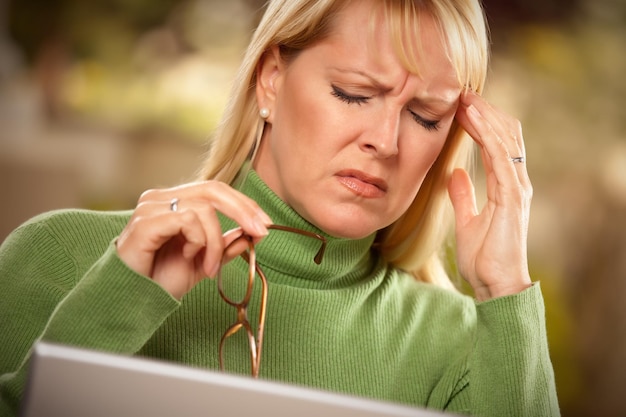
[174, 204]
[518, 160]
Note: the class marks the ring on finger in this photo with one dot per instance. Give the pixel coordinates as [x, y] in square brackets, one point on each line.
[174, 204]
[518, 159]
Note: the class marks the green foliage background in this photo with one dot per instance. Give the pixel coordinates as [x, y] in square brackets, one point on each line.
[149, 69]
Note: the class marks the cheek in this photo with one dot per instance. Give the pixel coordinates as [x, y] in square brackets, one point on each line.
[310, 125]
[420, 153]
[300, 96]
[297, 116]
[416, 160]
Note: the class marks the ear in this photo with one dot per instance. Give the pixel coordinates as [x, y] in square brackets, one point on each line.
[269, 72]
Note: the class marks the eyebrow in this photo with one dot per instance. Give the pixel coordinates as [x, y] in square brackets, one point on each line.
[364, 74]
[432, 100]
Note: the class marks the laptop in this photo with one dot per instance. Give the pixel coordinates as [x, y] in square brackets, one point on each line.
[71, 382]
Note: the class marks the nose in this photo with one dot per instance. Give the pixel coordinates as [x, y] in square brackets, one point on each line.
[381, 136]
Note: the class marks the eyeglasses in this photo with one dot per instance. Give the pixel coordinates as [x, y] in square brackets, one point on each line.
[255, 344]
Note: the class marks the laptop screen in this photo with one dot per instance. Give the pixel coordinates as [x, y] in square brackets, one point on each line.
[71, 382]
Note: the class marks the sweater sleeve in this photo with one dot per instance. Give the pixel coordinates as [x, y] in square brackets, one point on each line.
[47, 295]
[510, 372]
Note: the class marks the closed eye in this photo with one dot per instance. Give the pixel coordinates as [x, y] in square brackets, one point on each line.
[347, 98]
[429, 125]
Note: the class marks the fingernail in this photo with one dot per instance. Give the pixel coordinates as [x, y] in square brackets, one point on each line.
[264, 218]
[260, 228]
[215, 269]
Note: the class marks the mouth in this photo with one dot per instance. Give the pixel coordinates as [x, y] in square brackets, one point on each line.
[362, 184]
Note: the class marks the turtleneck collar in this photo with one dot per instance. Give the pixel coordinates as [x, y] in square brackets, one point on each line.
[288, 257]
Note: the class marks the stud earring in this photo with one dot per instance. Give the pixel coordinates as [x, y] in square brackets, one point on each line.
[264, 112]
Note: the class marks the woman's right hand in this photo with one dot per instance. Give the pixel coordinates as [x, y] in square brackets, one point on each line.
[177, 249]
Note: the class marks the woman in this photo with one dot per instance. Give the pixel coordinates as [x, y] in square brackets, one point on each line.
[348, 122]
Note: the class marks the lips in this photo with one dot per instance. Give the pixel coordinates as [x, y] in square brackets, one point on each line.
[362, 184]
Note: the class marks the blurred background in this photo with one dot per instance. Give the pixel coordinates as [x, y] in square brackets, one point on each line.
[102, 99]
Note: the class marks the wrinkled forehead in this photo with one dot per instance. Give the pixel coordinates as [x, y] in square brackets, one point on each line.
[416, 29]
[384, 35]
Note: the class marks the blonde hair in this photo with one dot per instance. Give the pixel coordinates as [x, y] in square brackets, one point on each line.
[415, 241]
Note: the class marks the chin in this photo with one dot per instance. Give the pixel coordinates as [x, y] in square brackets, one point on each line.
[350, 223]
[344, 230]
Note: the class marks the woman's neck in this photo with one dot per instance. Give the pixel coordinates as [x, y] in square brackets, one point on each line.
[288, 256]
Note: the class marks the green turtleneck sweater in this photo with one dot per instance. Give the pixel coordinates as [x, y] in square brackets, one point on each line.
[351, 325]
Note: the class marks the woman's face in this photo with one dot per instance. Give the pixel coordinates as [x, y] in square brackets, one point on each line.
[352, 133]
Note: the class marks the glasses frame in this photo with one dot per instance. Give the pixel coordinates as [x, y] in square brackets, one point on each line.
[255, 343]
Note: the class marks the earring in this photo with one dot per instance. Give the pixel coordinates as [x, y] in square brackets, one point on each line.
[264, 112]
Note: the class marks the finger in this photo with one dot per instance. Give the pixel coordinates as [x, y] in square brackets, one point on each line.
[510, 131]
[223, 198]
[494, 146]
[242, 209]
[237, 244]
[205, 199]
[463, 196]
[199, 213]
[466, 123]
[507, 127]
[146, 234]
[216, 242]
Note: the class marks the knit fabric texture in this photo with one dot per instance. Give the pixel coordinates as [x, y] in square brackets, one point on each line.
[351, 325]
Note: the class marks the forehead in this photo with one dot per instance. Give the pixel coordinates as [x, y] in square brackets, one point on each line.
[363, 36]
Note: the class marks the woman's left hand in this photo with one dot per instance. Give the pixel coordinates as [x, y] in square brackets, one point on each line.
[492, 243]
